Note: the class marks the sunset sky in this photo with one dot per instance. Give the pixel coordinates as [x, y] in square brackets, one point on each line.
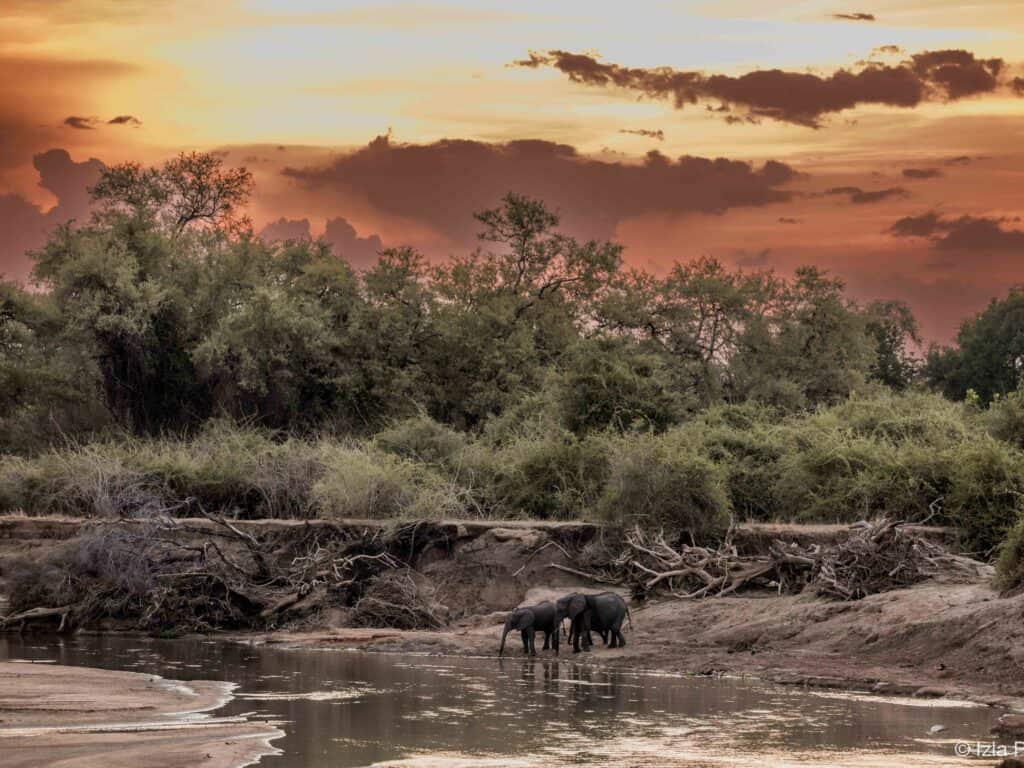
[882, 141]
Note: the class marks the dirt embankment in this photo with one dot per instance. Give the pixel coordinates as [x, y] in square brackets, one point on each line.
[933, 639]
[92, 718]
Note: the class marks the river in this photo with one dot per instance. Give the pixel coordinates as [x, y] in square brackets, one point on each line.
[347, 708]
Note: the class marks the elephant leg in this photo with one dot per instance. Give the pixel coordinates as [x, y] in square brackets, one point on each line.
[547, 641]
[531, 635]
[575, 633]
[526, 641]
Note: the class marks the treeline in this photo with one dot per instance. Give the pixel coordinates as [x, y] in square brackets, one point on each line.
[166, 356]
[164, 311]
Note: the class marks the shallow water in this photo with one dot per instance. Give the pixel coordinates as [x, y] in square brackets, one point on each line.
[345, 708]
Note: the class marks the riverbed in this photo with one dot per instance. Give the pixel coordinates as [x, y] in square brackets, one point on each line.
[350, 708]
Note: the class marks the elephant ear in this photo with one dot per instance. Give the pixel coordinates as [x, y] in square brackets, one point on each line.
[577, 605]
[524, 619]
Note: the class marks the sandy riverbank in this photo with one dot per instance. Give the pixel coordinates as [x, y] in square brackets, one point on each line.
[77, 717]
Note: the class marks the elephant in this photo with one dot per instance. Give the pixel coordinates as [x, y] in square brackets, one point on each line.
[529, 621]
[603, 613]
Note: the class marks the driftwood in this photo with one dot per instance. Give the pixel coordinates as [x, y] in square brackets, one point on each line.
[875, 557]
[37, 614]
[165, 574]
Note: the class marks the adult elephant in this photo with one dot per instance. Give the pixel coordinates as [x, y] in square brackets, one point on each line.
[603, 613]
[529, 621]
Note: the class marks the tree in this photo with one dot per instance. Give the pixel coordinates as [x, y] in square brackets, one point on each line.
[989, 356]
[192, 190]
[893, 327]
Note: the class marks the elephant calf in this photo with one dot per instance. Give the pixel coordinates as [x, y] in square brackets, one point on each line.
[529, 621]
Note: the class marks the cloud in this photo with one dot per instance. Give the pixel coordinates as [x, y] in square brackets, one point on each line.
[656, 134]
[921, 173]
[959, 160]
[286, 229]
[80, 123]
[788, 220]
[441, 183]
[964, 234]
[801, 98]
[124, 120]
[861, 196]
[359, 252]
[24, 226]
[854, 16]
[887, 50]
[1017, 84]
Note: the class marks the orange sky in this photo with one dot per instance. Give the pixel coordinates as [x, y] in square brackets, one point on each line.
[299, 91]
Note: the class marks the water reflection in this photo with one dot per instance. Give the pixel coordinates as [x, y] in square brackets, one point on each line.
[355, 709]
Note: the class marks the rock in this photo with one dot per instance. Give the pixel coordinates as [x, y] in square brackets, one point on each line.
[937, 729]
[931, 692]
[1010, 726]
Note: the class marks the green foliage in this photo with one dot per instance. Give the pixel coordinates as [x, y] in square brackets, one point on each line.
[988, 356]
[1010, 563]
[663, 482]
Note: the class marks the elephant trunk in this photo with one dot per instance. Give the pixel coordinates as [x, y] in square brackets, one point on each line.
[508, 628]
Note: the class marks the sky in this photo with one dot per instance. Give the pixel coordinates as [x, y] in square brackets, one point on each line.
[881, 141]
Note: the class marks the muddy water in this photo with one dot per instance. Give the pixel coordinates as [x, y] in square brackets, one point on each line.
[354, 709]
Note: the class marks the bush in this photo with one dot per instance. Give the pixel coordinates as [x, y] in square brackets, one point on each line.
[421, 439]
[1010, 565]
[984, 500]
[662, 482]
[552, 476]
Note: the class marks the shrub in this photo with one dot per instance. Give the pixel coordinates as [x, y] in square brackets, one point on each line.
[1010, 565]
[557, 475]
[422, 439]
[663, 482]
[984, 500]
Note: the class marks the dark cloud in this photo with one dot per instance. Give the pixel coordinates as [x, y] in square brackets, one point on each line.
[24, 226]
[655, 134]
[286, 229]
[921, 173]
[439, 184]
[964, 234]
[80, 123]
[802, 98]
[124, 120]
[359, 252]
[887, 50]
[860, 196]
[1017, 84]
[789, 220]
[854, 16]
[959, 160]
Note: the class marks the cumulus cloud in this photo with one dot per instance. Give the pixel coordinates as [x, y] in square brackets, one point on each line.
[24, 226]
[921, 173]
[854, 16]
[359, 252]
[647, 133]
[964, 234]
[860, 196]
[440, 184]
[801, 98]
[286, 229]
